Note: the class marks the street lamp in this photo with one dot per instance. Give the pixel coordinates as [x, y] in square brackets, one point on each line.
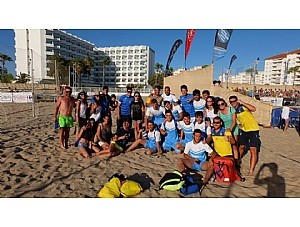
[285, 73]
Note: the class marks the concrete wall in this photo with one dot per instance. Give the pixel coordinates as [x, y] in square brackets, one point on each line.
[201, 79]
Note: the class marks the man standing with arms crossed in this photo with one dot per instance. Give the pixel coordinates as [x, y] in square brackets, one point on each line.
[64, 105]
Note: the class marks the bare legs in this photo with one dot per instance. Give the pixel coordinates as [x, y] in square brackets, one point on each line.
[135, 144]
[253, 158]
[64, 134]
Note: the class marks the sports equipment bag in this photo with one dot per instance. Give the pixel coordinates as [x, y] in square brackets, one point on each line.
[224, 169]
[189, 187]
[172, 181]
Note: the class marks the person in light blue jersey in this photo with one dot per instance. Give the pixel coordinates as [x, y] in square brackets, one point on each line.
[187, 101]
[198, 102]
[195, 155]
[151, 143]
[169, 130]
[186, 128]
[156, 112]
[202, 125]
[175, 109]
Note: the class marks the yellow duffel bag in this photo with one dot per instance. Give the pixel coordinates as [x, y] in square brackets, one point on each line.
[111, 189]
[130, 188]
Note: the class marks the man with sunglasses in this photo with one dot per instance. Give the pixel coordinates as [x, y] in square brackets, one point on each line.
[249, 130]
[64, 106]
[222, 141]
[123, 110]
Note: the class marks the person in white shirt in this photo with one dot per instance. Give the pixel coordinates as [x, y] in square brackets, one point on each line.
[285, 116]
[176, 110]
[167, 96]
[195, 154]
[152, 143]
[198, 102]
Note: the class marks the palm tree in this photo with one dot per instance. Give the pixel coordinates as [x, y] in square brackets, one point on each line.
[158, 68]
[79, 69]
[88, 65]
[59, 73]
[294, 70]
[3, 59]
[23, 78]
[106, 61]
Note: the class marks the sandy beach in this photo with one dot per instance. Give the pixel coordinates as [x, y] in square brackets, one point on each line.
[33, 165]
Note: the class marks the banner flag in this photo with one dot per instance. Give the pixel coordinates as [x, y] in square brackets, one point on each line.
[175, 46]
[190, 34]
[221, 42]
[233, 58]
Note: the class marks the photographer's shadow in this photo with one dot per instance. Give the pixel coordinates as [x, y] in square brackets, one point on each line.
[275, 183]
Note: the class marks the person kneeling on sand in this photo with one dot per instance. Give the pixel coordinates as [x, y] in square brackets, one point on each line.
[151, 143]
[194, 156]
[85, 138]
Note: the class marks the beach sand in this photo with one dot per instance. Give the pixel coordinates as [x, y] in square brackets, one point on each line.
[33, 165]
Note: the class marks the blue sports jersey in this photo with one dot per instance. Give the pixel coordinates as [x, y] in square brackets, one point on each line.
[187, 106]
[125, 101]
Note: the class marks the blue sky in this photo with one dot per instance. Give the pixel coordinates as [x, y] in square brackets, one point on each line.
[246, 44]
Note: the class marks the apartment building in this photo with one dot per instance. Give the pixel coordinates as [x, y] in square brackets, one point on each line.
[279, 69]
[37, 45]
[128, 65]
[244, 78]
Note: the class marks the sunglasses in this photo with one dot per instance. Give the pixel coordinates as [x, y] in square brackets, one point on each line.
[217, 122]
[232, 101]
[129, 91]
[136, 96]
[221, 104]
[68, 91]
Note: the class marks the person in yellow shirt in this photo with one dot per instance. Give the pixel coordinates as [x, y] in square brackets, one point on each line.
[249, 130]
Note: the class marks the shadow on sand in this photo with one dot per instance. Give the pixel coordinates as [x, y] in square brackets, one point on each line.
[275, 183]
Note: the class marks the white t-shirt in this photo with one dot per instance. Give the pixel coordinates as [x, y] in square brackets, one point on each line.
[202, 127]
[198, 150]
[285, 112]
[199, 105]
[154, 135]
[171, 98]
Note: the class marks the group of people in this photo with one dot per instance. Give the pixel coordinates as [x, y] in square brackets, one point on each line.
[197, 125]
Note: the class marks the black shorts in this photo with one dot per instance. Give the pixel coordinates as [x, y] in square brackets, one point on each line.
[249, 138]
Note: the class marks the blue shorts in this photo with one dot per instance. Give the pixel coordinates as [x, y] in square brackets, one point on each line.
[197, 167]
[150, 146]
[169, 146]
[82, 144]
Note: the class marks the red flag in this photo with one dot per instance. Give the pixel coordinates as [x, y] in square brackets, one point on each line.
[190, 33]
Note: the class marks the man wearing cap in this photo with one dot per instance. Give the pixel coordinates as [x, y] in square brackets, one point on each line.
[123, 110]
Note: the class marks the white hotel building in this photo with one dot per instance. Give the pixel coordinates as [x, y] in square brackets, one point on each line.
[277, 67]
[43, 43]
[129, 64]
